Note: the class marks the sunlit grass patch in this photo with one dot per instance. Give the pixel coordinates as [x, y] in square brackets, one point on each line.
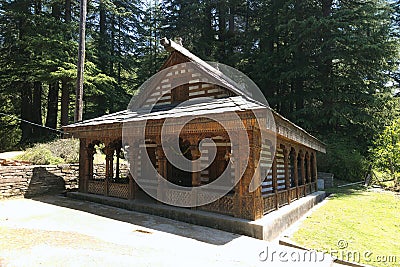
[355, 222]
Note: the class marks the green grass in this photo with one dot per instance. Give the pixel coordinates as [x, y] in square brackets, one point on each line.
[368, 221]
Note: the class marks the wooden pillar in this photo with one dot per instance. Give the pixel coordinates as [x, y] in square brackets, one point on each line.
[195, 152]
[303, 172]
[286, 153]
[237, 198]
[162, 171]
[117, 171]
[109, 151]
[132, 156]
[135, 168]
[275, 182]
[196, 175]
[249, 205]
[83, 165]
[308, 168]
[90, 157]
[296, 173]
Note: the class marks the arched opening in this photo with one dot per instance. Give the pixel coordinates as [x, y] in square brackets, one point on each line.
[177, 175]
[146, 168]
[299, 169]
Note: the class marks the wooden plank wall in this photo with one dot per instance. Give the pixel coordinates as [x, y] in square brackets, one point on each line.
[197, 86]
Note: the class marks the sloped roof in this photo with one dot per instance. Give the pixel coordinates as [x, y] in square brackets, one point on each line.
[194, 107]
[241, 102]
[197, 108]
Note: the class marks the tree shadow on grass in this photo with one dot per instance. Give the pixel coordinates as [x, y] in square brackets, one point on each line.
[346, 191]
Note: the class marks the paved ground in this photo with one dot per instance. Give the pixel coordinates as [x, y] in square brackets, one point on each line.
[57, 231]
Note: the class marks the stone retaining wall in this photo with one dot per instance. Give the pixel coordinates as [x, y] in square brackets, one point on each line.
[34, 180]
[29, 181]
[325, 180]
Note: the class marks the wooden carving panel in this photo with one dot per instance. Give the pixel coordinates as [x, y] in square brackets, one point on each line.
[118, 190]
[269, 203]
[282, 198]
[96, 187]
[223, 205]
[293, 193]
[178, 196]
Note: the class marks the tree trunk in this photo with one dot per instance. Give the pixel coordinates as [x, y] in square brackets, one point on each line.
[56, 10]
[103, 38]
[326, 69]
[112, 48]
[299, 59]
[81, 62]
[221, 29]
[65, 85]
[26, 111]
[65, 92]
[37, 108]
[67, 11]
[38, 6]
[52, 105]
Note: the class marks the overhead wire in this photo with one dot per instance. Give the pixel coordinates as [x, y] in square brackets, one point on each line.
[32, 123]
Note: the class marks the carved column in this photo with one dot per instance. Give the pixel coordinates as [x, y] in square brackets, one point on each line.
[109, 151]
[90, 157]
[275, 181]
[196, 176]
[240, 164]
[296, 173]
[117, 171]
[286, 153]
[249, 204]
[256, 155]
[133, 159]
[83, 165]
[162, 172]
[303, 171]
[308, 178]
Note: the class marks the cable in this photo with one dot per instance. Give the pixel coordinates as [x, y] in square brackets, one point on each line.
[32, 123]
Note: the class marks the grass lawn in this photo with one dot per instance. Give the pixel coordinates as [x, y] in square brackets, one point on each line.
[357, 225]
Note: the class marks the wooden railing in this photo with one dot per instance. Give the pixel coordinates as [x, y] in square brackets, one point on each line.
[293, 193]
[222, 205]
[118, 190]
[283, 198]
[269, 203]
[273, 201]
[98, 187]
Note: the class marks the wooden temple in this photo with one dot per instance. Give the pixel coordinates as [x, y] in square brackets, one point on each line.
[287, 172]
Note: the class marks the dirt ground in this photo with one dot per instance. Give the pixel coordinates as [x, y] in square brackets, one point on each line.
[58, 231]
